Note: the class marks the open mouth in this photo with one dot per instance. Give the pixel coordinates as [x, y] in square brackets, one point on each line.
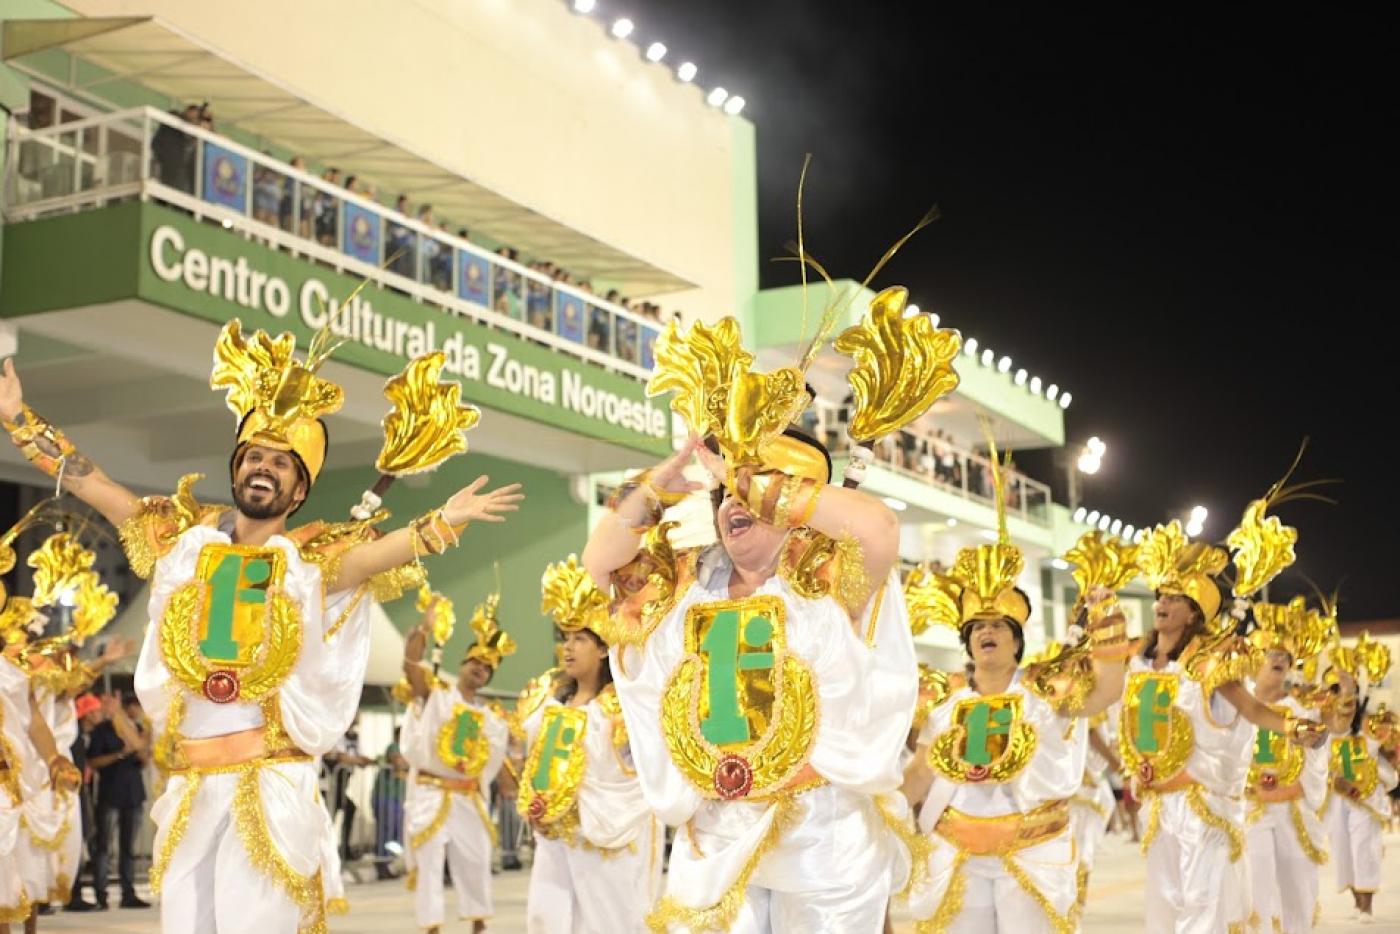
[987, 642]
[261, 483]
[568, 659]
[739, 523]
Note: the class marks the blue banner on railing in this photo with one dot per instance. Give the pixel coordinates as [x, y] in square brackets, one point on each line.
[225, 178]
[570, 318]
[473, 279]
[361, 233]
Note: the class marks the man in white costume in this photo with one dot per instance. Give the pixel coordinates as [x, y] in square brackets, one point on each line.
[1287, 782]
[456, 747]
[598, 848]
[768, 681]
[244, 674]
[1003, 754]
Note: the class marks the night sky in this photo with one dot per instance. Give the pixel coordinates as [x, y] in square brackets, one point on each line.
[1184, 219]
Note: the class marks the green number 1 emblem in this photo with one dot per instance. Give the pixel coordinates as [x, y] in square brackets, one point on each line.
[725, 659]
[1153, 708]
[227, 591]
[558, 740]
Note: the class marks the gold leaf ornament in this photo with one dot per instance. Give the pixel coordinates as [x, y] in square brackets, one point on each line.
[428, 423]
[1262, 547]
[569, 595]
[1097, 561]
[931, 599]
[60, 565]
[696, 366]
[902, 365]
[94, 606]
[441, 610]
[760, 406]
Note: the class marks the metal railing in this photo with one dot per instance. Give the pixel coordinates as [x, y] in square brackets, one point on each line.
[937, 461]
[151, 155]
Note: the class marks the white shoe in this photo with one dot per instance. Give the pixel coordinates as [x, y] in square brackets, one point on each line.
[1365, 917]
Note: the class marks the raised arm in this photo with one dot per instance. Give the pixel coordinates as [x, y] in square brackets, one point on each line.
[413, 669]
[430, 534]
[62, 772]
[1108, 634]
[48, 449]
[1308, 732]
[618, 536]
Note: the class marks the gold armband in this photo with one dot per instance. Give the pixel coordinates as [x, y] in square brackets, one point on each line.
[42, 444]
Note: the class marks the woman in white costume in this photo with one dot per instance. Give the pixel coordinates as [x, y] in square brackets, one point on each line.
[1287, 782]
[1362, 770]
[768, 681]
[1003, 755]
[241, 671]
[1187, 721]
[455, 747]
[598, 848]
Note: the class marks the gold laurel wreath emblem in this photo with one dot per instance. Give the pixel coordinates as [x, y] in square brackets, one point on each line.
[275, 657]
[562, 794]
[775, 757]
[1181, 738]
[945, 753]
[478, 750]
[1288, 765]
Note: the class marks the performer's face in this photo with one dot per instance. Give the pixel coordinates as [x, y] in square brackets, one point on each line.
[1273, 671]
[583, 655]
[992, 642]
[474, 674]
[267, 483]
[1172, 613]
[751, 544]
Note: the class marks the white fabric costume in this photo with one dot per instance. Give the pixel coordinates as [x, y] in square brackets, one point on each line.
[1194, 834]
[238, 849]
[1283, 864]
[1090, 809]
[53, 817]
[450, 823]
[996, 891]
[830, 861]
[22, 874]
[600, 872]
[1355, 825]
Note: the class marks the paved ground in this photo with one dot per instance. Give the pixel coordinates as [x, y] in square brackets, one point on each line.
[1115, 903]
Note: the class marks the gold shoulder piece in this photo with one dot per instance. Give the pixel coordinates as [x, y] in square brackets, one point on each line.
[159, 520]
[934, 688]
[1062, 676]
[809, 563]
[645, 589]
[1215, 660]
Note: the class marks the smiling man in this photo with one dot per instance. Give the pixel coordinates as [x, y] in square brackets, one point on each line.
[255, 656]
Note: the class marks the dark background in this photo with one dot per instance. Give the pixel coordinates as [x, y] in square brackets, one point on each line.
[1185, 218]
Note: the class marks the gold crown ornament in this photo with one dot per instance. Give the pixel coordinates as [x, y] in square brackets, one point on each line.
[1294, 628]
[1367, 658]
[1173, 564]
[492, 642]
[570, 597]
[1098, 561]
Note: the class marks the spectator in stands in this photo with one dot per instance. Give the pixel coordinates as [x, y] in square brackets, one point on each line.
[206, 118]
[303, 226]
[88, 709]
[174, 151]
[267, 193]
[401, 242]
[327, 210]
[505, 285]
[118, 751]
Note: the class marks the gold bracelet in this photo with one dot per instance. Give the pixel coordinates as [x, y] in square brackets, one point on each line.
[667, 498]
[36, 428]
[805, 516]
[1105, 610]
[654, 510]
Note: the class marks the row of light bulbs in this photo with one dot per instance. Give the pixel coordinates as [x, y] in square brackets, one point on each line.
[1195, 523]
[685, 72]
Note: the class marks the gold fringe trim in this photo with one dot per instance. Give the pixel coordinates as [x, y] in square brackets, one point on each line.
[951, 905]
[178, 825]
[485, 813]
[1063, 924]
[1310, 849]
[62, 890]
[336, 626]
[1195, 798]
[918, 845]
[19, 913]
[52, 844]
[1091, 804]
[337, 906]
[251, 822]
[1154, 822]
[439, 819]
[411, 880]
[720, 916]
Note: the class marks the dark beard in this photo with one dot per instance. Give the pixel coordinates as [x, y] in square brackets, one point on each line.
[279, 503]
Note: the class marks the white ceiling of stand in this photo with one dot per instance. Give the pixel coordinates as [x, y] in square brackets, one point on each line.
[156, 55]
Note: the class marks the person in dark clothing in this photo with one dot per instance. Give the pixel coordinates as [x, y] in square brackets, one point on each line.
[117, 751]
[174, 152]
[88, 710]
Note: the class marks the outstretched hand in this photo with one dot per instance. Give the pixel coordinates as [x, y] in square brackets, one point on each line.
[669, 475]
[469, 505]
[11, 392]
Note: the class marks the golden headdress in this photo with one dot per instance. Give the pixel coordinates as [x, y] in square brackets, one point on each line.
[63, 566]
[492, 642]
[569, 595]
[1173, 564]
[1292, 627]
[279, 400]
[1367, 657]
[982, 581]
[1261, 545]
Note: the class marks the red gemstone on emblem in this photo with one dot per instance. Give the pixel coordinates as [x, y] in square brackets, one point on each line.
[1145, 773]
[1269, 781]
[537, 806]
[733, 777]
[222, 687]
[978, 773]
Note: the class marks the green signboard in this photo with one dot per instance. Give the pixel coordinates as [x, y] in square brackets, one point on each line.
[167, 258]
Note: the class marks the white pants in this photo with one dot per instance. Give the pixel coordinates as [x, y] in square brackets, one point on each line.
[831, 870]
[1283, 880]
[993, 902]
[1192, 885]
[1356, 845]
[465, 842]
[52, 866]
[211, 884]
[574, 890]
[14, 902]
[1088, 821]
